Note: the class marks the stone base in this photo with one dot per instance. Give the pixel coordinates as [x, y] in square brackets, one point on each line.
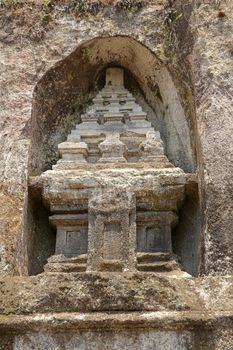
[97, 311]
[146, 262]
[76, 165]
[134, 331]
[157, 262]
[59, 263]
[112, 160]
[105, 291]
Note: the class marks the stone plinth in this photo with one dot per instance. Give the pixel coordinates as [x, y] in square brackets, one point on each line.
[73, 151]
[112, 222]
[61, 263]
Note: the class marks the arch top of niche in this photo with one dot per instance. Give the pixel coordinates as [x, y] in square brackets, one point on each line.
[72, 83]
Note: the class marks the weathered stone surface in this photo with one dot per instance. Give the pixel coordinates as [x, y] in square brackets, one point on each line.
[175, 304]
[112, 231]
[191, 73]
[194, 332]
[116, 228]
[96, 292]
[213, 82]
[33, 61]
[123, 340]
[115, 292]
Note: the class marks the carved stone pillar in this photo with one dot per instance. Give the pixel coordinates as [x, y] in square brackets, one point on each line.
[112, 231]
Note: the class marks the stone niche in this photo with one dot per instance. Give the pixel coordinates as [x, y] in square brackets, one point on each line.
[114, 196]
[154, 231]
[71, 231]
[140, 120]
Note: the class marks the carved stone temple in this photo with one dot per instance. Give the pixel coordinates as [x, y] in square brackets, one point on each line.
[113, 194]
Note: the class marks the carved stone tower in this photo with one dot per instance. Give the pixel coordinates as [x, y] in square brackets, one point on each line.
[113, 194]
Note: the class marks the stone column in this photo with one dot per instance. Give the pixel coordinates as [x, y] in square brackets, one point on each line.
[112, 231]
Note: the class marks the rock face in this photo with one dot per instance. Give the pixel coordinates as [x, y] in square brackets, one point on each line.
[102, 247]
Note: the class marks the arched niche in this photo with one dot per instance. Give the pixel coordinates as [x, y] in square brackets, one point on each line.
[64, 92]
[72, 82]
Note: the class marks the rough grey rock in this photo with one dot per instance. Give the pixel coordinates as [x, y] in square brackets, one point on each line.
[193, 47]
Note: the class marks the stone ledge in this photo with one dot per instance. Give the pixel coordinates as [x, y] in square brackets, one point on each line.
[98, 292]
[85, 293]
[165, 321]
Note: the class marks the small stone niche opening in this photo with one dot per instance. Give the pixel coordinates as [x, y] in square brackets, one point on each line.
[71, 239]
[54, 118]
[154, 231]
